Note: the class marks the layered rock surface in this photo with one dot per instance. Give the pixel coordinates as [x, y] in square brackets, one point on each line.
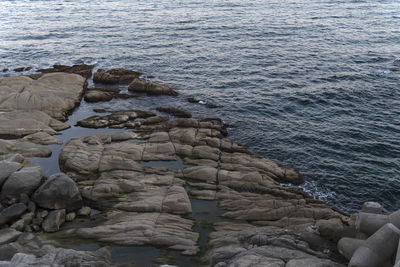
[113, 176]
[54, 93]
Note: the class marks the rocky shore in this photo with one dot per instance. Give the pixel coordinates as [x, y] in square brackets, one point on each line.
[138, 187]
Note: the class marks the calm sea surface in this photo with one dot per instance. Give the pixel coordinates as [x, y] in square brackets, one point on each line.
[313, 84]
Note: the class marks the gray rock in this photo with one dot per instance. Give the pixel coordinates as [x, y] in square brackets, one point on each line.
[24, 198]
[19, 225]
[58, 192]
[372, 207]
[42, 214]
[31, 206]
[11, 213]
[53, 93]
[25, 181]
[8, 235]
[53, 221]
[42, 138]
[7, 168]
[70, 216]
[84, 211]
[27, 149]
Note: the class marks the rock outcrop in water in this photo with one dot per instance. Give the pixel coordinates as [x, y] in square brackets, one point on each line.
[143, 182]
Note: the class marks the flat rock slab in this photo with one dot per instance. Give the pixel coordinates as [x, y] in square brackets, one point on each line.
[137, 229]
[8, 235]
[246, 245]
[19, 123]
[54, 93]
[24, 148]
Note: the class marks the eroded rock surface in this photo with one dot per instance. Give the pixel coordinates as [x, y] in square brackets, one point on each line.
[54, 93]
[115, 76]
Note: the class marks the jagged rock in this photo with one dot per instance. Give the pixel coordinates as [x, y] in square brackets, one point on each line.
[137, 229]
[115, 76]
[20, 123]
[7, 168]
[81, 69]
[26, 149]
[54, 93]
[11, 213]
[115, 118]
[54, 220]
[151, 88]
[58, 192]
[8, 235]
[175, 112]
[42, 138]
[25, 180]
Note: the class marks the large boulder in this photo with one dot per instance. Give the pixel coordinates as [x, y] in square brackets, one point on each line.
[8, 235]
[7, 168]
[58, 192]
[53, 93]
[25, 181]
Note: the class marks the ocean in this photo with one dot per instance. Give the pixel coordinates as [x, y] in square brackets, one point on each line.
[311, 84]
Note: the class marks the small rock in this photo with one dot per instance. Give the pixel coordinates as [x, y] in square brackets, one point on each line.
[11, 213]
[20, 69]
[24, 198]
[192, 100]
[42, 214]
[19, 225]
[31, 206]
[5, 70]
[28, 217]
[58, 192]
[36, 228]
[84, 211]
[99, 110]
[28, 229]
[1, 207]
[70, 216]
[53, 221]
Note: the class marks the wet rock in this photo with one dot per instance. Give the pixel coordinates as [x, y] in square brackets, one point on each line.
[19, 123]
[192, 100]
[8, 235]
[7, 168]
[58, 192]
[175, 112]
[11, 213]
[151, 88]
[26, 149]
[115, 118]
[42, 138]
[54, 93]
[20, 69]
[81, 69]
[25, 181]
[5, 69]
[100, 94]
[115, 76]
[137, 229]
[54, 220]
[51, 256]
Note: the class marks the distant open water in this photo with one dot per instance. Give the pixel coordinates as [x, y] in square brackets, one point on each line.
[311, 84]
